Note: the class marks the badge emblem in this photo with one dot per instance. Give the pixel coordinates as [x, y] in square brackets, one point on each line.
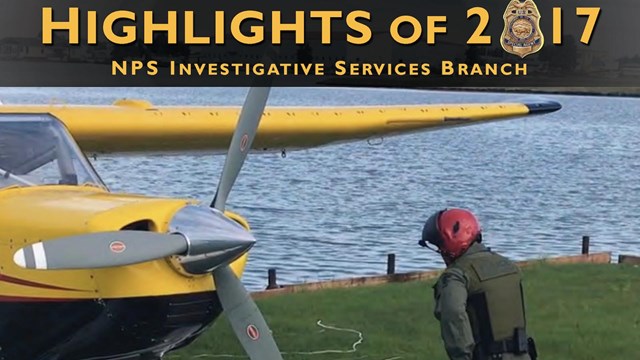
[522, 35]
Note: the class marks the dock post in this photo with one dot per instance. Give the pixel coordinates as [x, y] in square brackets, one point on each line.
[629, 259]
[585, 245]
[391, 264]
[273, 284]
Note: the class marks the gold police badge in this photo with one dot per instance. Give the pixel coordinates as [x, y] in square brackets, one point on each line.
[521, 35]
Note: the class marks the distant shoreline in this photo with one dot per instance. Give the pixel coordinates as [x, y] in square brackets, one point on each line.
[629, 90]
[604, 91]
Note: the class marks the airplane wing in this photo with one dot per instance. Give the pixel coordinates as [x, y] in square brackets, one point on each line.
[131, 126]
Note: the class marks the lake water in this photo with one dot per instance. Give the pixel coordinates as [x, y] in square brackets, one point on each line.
[537, 184]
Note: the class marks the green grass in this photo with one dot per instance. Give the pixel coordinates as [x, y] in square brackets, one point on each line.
[575, 312]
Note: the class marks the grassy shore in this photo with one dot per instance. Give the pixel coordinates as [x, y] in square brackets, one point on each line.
[580, 311]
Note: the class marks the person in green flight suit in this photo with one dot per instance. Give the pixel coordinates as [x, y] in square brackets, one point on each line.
[479, 298]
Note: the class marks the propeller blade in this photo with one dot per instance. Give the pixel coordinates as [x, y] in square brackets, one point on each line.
[99, 250]
[244, 316]
[241, 142]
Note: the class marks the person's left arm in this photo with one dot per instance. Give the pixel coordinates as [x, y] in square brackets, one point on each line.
[451, 302]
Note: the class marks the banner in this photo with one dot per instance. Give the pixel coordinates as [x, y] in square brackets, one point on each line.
[313, 43]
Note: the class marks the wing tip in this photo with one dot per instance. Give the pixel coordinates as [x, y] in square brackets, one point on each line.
[542, 107]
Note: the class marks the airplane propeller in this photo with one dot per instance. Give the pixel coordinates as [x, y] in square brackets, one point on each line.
[241, 311]
[119, 248]
[126, 247]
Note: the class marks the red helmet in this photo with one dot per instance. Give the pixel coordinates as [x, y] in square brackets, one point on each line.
[452, 231]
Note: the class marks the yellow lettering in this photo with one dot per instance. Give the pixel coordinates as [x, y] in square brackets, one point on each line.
[278, 27]
[257, 32]
[521, 69]
[447, 67]
[557, 25]
[476, 69]
[306, 68]
[463, 69]
[92, 27]
[363, 29]
[72, 26]
[354, 69]
[417, 29]
[432, 29]
[413, 70]
[171, 27]
[152, 68]
[219, 31]
[366, 69]
[426, 69]
[505, 69]
[224, 69]
[340, 68]
[189, 29]
[200, 68]
[325, 18]
[258, 69]
[592, 13]
[477, 38]
[184, 69]
[135, 66]
[273, 70]
[129, 31]
[491, 69]
[380, 68]
[117, 67]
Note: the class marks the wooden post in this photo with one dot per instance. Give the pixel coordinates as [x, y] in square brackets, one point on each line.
[629, 259]
[585, 245]
[273, 284]
[391, 264]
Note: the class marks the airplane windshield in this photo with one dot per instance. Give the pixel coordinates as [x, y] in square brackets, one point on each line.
[38, 150]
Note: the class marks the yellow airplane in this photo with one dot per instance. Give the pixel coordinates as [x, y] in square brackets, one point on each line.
[90, 274]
